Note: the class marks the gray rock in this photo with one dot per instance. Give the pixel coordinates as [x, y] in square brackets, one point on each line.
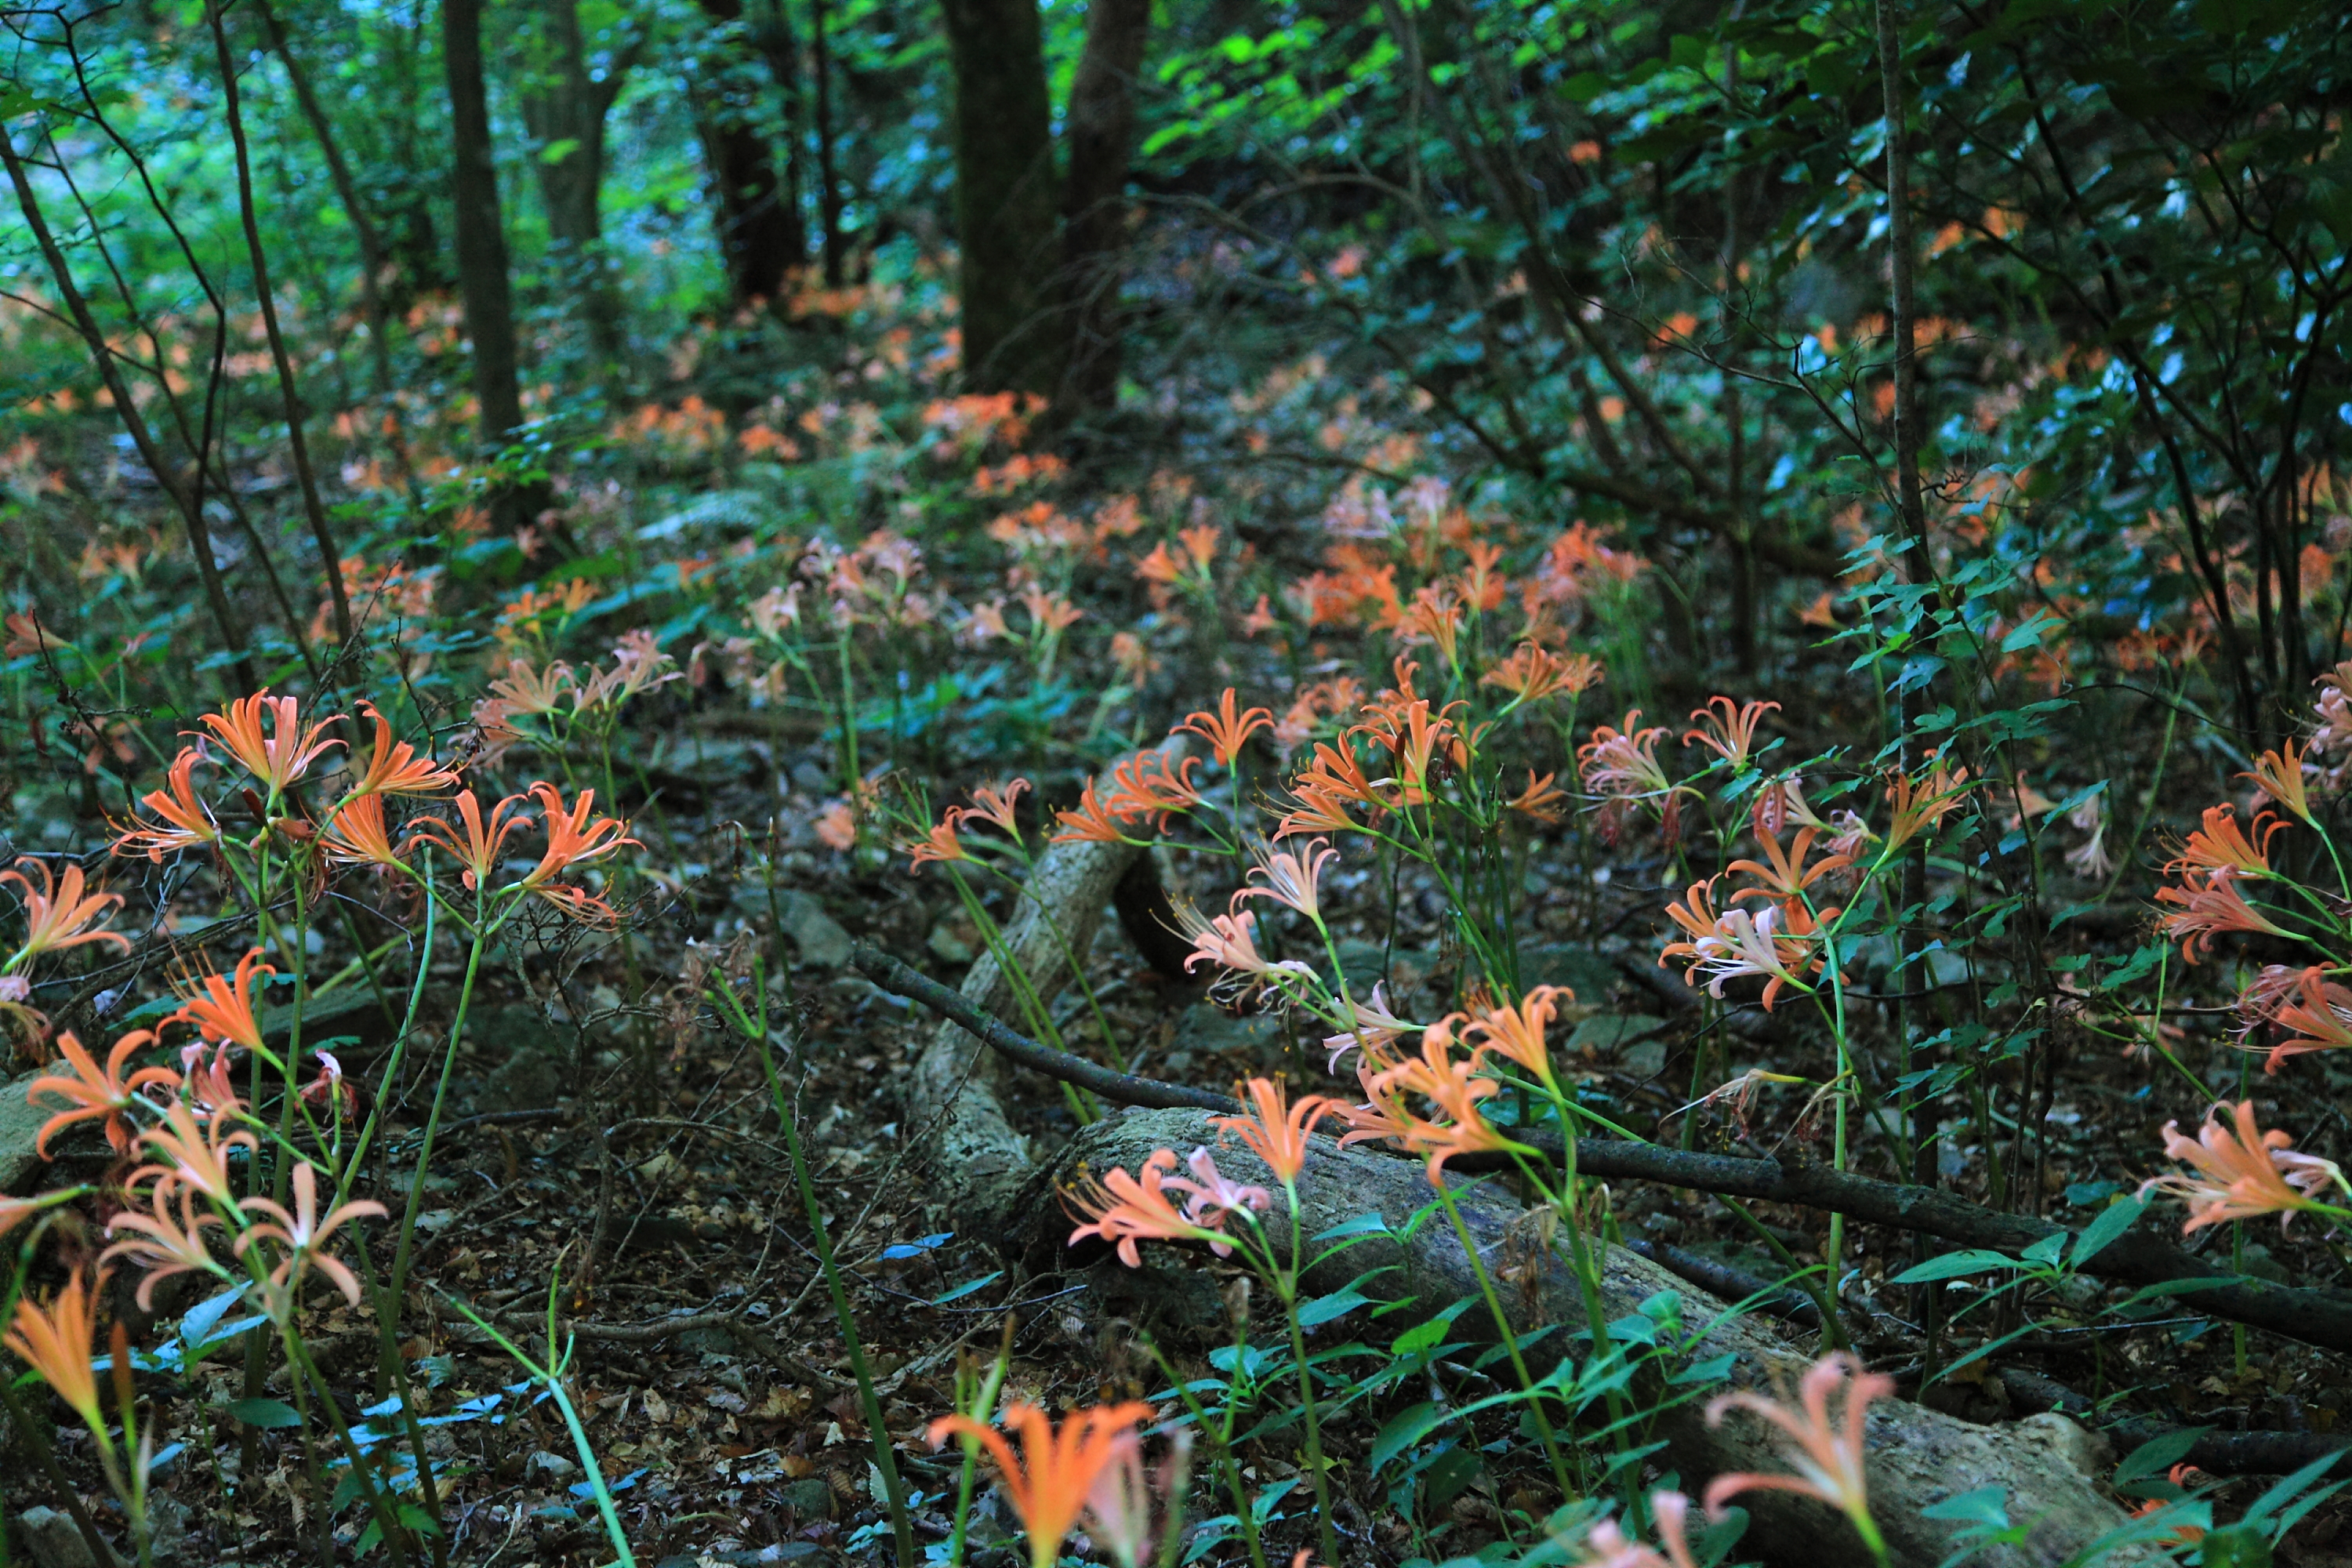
[51, 1539]
[1581, 969]
[547, 1467]
[529, 1051]
[821, 941]
[1613, 1032]
[19, 1125]
[1206, 1029]
[810, 1498]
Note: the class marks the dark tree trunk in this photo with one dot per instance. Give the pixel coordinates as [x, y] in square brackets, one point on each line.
[1100, 131]
[760, 235]
[1005, 201]
[566, 110]
[482, 278]
[828, 198]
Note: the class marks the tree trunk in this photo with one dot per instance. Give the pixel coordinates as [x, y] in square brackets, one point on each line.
[1100, 131]
[564, 111]
[760, 236]
[828, 195]
[482, 278]
[1005, 203]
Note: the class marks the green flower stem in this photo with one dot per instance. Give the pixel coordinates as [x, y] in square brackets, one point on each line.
[1510, 1340]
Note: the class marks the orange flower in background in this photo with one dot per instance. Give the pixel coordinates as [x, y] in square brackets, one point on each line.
[279, 757]
[1531, 675]
[58, 914]
[94, 1092]
[2222, 845]
[1199, 543]
[1160, 568]
[1051, 612]
[187, 824]
[1276, 1132]
[477, 846]
[1607, 1545]
[2239, 1172]
[394, 768]
[1727, 729]
[1828, 1456]
[2281, 775]
[223, 1010]
[1227, 729]
[1057, 1468]
[57, 1344]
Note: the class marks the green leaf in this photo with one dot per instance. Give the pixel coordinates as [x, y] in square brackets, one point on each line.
[268, 1414]
[1986, 1506]
[958, 1292]
[2114, 1220]
[1954, 1265]
[2235, 1548]
[2030, 634]
[2157, 1454]
[1406, 1428]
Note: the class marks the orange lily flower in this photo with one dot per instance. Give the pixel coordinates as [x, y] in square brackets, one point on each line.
[1318, 812]
[939, 844]
[2280, 774]
[187, 824]
[1125, 1209]
[1727, 729]
[2242, 1171]
[394, 768]
[56, 1345]
[279, 758]
[1541, 799]
[356, 835]
[575, 836]
[1057, 1469]
[1607, 1546]
[223, 1010]
[2222, 845]
[1225, 940]
[1090, 824]
[2322, 1019]
[1292, 878]
[198, 1156]
[1738, 942]
[1623, 762]
[97, 1094]
[1828, 1458]
[1456, 1089]
[1920, 803]
[1335, 772]
[1226, 730]
[57, 914]
[303, 1234]
[1787, 877]
[1200, 542]
[2208, 910]
[994, 807]
[161, 1244]
[1145, 785]
[1277, 1132]
[1530, 674]
[1517, 1032]
[478, 848]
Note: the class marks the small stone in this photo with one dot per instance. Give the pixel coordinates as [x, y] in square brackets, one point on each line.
[809, 1498]
[948, 947]
[548, 1468]
[51, 1539]
[821, 941]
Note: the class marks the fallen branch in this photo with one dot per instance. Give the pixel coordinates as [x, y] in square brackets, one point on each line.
[2136, 1258]
[2217, 1452]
